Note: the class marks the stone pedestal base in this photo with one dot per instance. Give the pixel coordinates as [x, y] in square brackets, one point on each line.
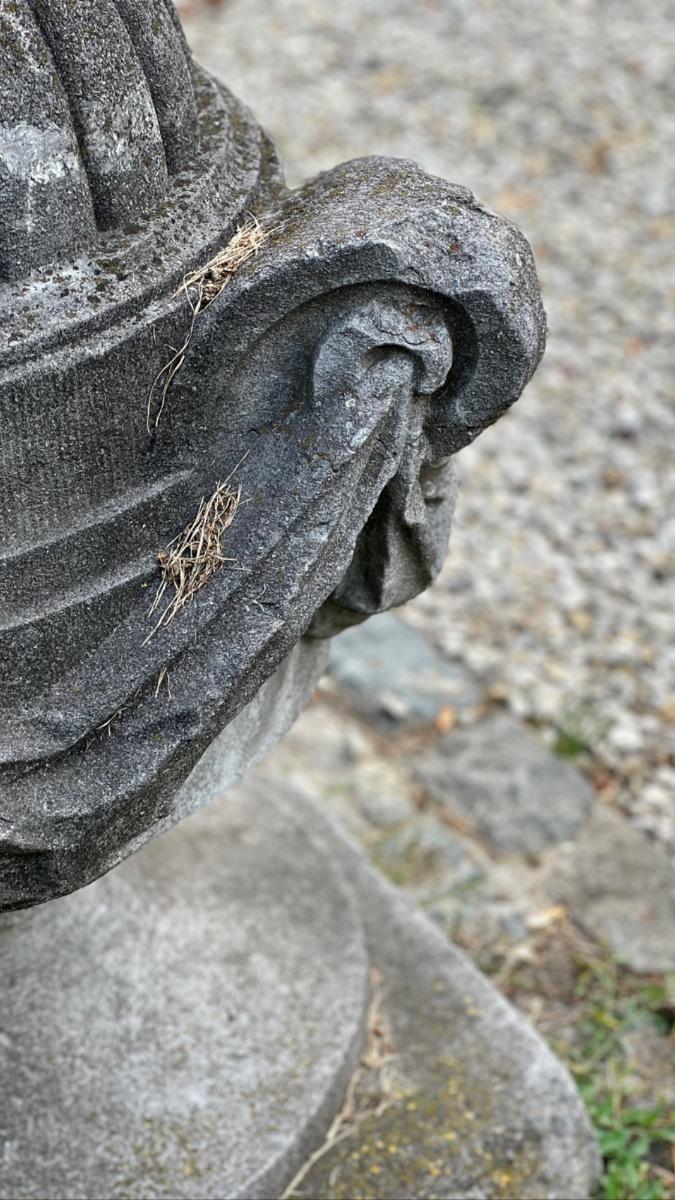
[188, 1025]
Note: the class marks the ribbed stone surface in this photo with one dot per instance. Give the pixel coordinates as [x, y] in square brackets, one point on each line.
[97, 111]
[45, 202]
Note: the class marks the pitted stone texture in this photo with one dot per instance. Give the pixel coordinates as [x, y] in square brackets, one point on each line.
[163, 54]
[45, 202]
[186, 1026]
[111, 106]
[509, 788]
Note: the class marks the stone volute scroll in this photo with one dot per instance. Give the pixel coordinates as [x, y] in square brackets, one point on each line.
[376, 321]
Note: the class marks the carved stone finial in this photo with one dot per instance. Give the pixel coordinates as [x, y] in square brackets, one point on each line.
[384, 320]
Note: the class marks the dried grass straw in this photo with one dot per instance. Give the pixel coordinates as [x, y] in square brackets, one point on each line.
[196, 554]
[201, 289]
[377, 1060]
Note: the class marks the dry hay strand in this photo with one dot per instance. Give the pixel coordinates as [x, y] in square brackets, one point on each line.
[209, 281]
[371, 1088]
[201, 288]
[193, 557]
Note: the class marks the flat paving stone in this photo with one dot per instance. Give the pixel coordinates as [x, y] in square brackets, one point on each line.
[506, 785]
[621, 889]
[392, 674]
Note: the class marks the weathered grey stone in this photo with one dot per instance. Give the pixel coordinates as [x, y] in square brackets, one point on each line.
[187, 1025]
[45, 201]
[207, 1052]
[510, 788]
[161, 49]
[390, 672]
[97, 107]
[621, 888]
[111, 106]
[384, 322]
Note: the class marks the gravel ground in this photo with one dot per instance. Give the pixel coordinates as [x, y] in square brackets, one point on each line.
[560, 587]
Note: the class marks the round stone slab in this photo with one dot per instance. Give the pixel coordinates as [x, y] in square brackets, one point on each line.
[185, 1026]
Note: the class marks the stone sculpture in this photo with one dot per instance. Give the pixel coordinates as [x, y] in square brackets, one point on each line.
[228, 415]
[382, 321]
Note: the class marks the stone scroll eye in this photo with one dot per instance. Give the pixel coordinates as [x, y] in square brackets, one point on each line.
[377, 339]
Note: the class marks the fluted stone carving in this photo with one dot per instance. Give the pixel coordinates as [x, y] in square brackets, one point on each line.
[97, 113]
